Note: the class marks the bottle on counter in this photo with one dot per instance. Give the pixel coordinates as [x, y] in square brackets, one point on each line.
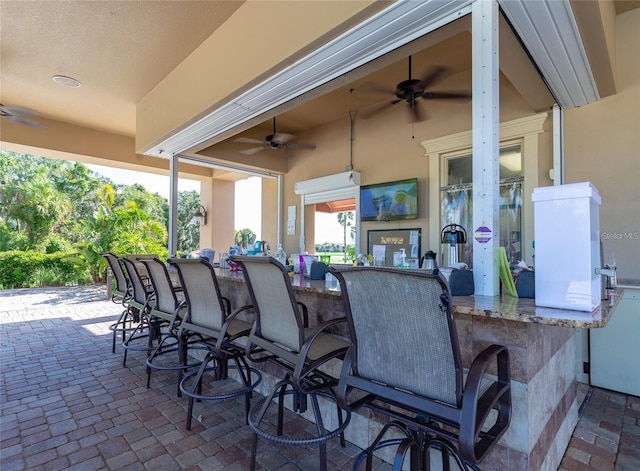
[281, 255]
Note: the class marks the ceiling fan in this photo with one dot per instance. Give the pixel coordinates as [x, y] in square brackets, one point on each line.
[19, 114]
[412, 89]
[275, 141]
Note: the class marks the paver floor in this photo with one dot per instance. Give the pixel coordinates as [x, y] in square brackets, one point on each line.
[68, 403]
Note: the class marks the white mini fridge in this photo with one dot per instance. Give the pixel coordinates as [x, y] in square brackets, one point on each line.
[567, 246]
[614, 350]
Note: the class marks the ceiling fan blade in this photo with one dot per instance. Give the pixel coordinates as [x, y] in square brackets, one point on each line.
[302, 146]
[435, 73]
[282, 137]
[252, 151]
[417, 113]
[17, 110]
[25, 121]
[445, 96]
[247, 140]
[371, 111]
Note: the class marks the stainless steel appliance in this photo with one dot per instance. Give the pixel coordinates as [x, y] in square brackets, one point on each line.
[453, 238]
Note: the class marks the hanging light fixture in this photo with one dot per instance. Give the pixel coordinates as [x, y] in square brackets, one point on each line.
[200, 216]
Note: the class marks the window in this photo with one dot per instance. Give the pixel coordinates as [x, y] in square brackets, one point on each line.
[456, 198]
[450, 179]
[339, 192]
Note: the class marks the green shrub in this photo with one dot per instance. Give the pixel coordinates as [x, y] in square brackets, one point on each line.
[54, 243]
[28, 269]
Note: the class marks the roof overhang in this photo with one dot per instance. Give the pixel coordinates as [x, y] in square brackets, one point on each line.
[547, 29]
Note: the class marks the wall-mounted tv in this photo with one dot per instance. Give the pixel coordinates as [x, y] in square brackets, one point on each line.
[391, 201]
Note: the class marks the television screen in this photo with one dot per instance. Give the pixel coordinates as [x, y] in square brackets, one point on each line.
[390, 201]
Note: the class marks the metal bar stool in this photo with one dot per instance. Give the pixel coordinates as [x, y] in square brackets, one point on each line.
[147, 331]
[282, 337]
[209, 322]
[121, 294]
[169, 306]
[405, 362]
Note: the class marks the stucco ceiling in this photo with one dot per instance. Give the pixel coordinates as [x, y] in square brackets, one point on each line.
[119, 50]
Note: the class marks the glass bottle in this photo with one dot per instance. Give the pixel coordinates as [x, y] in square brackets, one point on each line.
[281, 255]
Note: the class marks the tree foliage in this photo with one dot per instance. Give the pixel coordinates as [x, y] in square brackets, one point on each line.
[244, 238]
[49, 205]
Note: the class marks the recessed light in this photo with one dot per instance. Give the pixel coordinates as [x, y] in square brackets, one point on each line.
[66, 81]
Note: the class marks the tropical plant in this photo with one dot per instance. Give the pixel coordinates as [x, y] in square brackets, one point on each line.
[188, 231]
[36, 214]
[244, 238]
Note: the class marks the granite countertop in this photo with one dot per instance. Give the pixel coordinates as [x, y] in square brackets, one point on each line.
[525, 310]
[299, 282]
[497, 307]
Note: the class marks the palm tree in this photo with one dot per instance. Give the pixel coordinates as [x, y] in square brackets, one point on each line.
[345, 219]
[245, 238]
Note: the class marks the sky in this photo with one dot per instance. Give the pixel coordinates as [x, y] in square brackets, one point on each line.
[248, 192]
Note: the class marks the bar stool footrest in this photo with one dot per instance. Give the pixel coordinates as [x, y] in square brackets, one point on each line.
[255, 425]
[253, 374]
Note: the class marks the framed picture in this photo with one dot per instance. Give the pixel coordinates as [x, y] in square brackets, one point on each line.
[390, 201]
[385, 245]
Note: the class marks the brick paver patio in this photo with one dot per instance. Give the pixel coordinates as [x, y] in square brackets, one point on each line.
[68, 404]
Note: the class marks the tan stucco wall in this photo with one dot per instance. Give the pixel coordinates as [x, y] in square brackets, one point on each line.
[269, 226]
[218, 198]
[387, 147]
[602, 145]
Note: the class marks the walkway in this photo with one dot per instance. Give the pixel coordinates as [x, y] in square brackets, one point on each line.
[67, 403]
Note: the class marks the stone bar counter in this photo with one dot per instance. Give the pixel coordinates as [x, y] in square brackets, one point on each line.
[542, 349]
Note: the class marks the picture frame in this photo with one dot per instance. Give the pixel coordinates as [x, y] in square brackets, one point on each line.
[390, 201]
[382, 244]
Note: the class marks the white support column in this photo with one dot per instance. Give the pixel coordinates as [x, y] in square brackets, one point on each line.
[485, 99]
[173, 205]
[558, 146]
[279, 214]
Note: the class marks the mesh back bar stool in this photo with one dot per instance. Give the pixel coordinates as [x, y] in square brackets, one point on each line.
[147, 332]
[210, 323]
[168, 306]
[282, 336]
[404, 361]
[121, 294]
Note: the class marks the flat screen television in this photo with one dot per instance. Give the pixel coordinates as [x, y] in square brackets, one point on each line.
[391, 201]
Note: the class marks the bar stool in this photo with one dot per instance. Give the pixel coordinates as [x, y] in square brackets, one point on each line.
[209, 322]
[121, 294]
[143, 337]
[282, 337]
[169, 306]
[405, 362]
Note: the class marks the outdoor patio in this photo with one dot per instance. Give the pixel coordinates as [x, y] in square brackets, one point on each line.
[68, 403]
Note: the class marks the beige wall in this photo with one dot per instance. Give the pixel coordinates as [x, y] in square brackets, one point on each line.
[218, 198]
[269, 226]
[602, 145]
[387, 147]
